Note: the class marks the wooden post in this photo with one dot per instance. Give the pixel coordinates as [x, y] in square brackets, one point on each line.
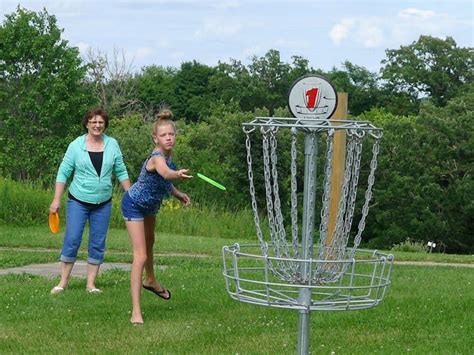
[339, 157]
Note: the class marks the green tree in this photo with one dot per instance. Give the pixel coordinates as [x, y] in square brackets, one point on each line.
[263, 83]
[361, 85]
[156, 85]
[270, 81]
[42, 96]
[430, 67]
[424, 188]
[216, 148]
[135, 137]
[230, 82]
[193, 95]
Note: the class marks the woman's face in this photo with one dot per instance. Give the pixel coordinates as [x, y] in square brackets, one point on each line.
[165, 137]
[96, 126]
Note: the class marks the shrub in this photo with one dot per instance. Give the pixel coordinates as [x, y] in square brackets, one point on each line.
[23, 203]
[410, 246]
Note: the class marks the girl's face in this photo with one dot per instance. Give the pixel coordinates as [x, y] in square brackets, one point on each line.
[165, 137]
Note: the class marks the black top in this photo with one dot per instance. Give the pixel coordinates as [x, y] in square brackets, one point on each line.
[96, 159]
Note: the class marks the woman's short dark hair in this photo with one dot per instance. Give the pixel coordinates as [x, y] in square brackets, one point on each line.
[95, 112]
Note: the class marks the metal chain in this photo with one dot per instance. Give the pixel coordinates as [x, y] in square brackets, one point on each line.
[349, 173]
[287, 268]
[312, 192]
[256, 218]
[344, 192]
[270, 206]
[323, 227]
[280, 242]
[280, 229]
[260, 237]
[368, 192]
[294, 196]
[268, 187]
[352, 198]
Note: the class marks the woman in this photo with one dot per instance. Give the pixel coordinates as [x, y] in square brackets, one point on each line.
[92, 158]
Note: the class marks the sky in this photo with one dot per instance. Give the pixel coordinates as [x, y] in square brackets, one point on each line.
[326, 33]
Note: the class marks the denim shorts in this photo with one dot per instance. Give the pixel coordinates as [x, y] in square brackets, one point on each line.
[131, 211]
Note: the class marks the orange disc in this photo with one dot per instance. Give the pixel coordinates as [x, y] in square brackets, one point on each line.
[54, 222]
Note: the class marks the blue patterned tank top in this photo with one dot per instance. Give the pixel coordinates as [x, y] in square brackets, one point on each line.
[151, 188]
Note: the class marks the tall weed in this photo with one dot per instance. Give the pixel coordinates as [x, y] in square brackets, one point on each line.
[410, 246]
[24, 204]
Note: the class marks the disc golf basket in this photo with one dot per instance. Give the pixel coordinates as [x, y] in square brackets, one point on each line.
[307, 259]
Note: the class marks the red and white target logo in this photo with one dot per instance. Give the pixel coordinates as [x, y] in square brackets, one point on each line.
[312, 96]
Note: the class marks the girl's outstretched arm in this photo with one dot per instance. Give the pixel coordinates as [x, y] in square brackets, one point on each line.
[159, 164]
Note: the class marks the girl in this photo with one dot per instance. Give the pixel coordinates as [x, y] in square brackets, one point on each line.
[141, 203]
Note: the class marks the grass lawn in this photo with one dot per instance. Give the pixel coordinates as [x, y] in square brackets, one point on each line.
[428, 309]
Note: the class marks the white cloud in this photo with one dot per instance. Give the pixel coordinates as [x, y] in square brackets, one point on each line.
[227, 4]
[292, 44]
[389, 31]
[340, 31]
[143, 53]
[177, 55]
[254, 50]
[218, 28]
[162, 43]
[370, 35]
[366, 32]
[171, 31]
[416, 14]
[412, 22]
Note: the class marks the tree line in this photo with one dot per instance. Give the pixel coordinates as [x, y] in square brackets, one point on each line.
[422, 97]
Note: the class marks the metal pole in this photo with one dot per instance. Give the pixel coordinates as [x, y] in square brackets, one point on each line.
[309, 201]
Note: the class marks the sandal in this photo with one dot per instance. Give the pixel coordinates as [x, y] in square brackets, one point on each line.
[161, 293]
[93, 290]
[57, 289]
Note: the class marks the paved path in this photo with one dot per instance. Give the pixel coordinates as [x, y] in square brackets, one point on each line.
[80, 267]
[53, 269]
[433, 263]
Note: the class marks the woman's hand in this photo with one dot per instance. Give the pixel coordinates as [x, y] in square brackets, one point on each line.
[54, 207]
[58, 191]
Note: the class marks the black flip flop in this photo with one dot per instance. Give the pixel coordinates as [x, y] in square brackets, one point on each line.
[161, 293]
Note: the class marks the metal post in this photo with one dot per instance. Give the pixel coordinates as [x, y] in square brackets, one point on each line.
[309, 201]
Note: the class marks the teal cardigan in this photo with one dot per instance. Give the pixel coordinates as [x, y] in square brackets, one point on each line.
[86, 185]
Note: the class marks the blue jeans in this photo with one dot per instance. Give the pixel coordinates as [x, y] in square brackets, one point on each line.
[77, 216]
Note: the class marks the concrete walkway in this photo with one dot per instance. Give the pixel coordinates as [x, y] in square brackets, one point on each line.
[53, 269]
[80, 267]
